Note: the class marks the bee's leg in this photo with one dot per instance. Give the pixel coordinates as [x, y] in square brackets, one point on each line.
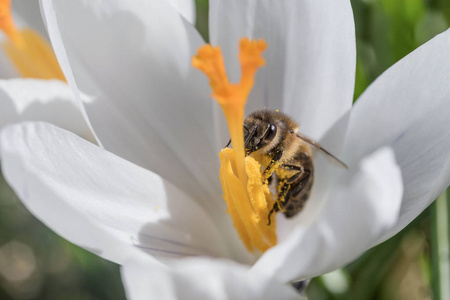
[301, 175]
[275, 159]
[274, 209]
[298, 192]
[298, 180]
[284, 188]
[281, 198]
[301, 184]
[290, 187]
[269, 180]
[300, 172]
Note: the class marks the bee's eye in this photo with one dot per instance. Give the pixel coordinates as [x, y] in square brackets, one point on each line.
[271, 131]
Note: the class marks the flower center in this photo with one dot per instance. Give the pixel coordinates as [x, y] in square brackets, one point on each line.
[30, 54]
[245, 189]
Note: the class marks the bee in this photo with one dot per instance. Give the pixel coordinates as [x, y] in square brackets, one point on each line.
[274, 140]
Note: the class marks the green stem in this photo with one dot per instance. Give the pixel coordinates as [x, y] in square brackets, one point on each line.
[440, 246]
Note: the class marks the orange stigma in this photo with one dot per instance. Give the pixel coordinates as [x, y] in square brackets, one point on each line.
[232, 97]
[247, 195]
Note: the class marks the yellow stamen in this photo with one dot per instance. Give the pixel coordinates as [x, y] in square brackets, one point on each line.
[247, 195]
[29, 52]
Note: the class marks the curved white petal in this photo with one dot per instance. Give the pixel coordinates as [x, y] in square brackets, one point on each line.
[200, 279]
[310, 59]
[100, 201]
[408, 108]
[186, 8]
[41, 100]
[364, 206]
[148, 104]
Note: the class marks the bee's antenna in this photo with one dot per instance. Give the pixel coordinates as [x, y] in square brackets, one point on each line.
[250, 136]
[229, 142]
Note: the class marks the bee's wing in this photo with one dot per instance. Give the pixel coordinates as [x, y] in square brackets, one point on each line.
[317, 145]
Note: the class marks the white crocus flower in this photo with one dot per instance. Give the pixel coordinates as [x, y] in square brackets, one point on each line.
[150, 198]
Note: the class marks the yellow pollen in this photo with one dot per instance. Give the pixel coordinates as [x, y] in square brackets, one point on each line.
[245, 189]
[28, 51]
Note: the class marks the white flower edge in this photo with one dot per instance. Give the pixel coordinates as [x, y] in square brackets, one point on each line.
[186, 8]
[41, 100]
[100, 201]
[407, 108]
[200, 278]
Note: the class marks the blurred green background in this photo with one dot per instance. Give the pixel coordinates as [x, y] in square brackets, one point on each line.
[35, 263]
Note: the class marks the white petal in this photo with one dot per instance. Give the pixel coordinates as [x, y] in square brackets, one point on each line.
[310, 60]
[41, 100]
[200, 279]
[186, 8]
[408, 108]
[364, 206]
[148, 104]
[100, 201]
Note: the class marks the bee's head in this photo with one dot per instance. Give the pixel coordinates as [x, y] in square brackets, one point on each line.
[260, 129]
